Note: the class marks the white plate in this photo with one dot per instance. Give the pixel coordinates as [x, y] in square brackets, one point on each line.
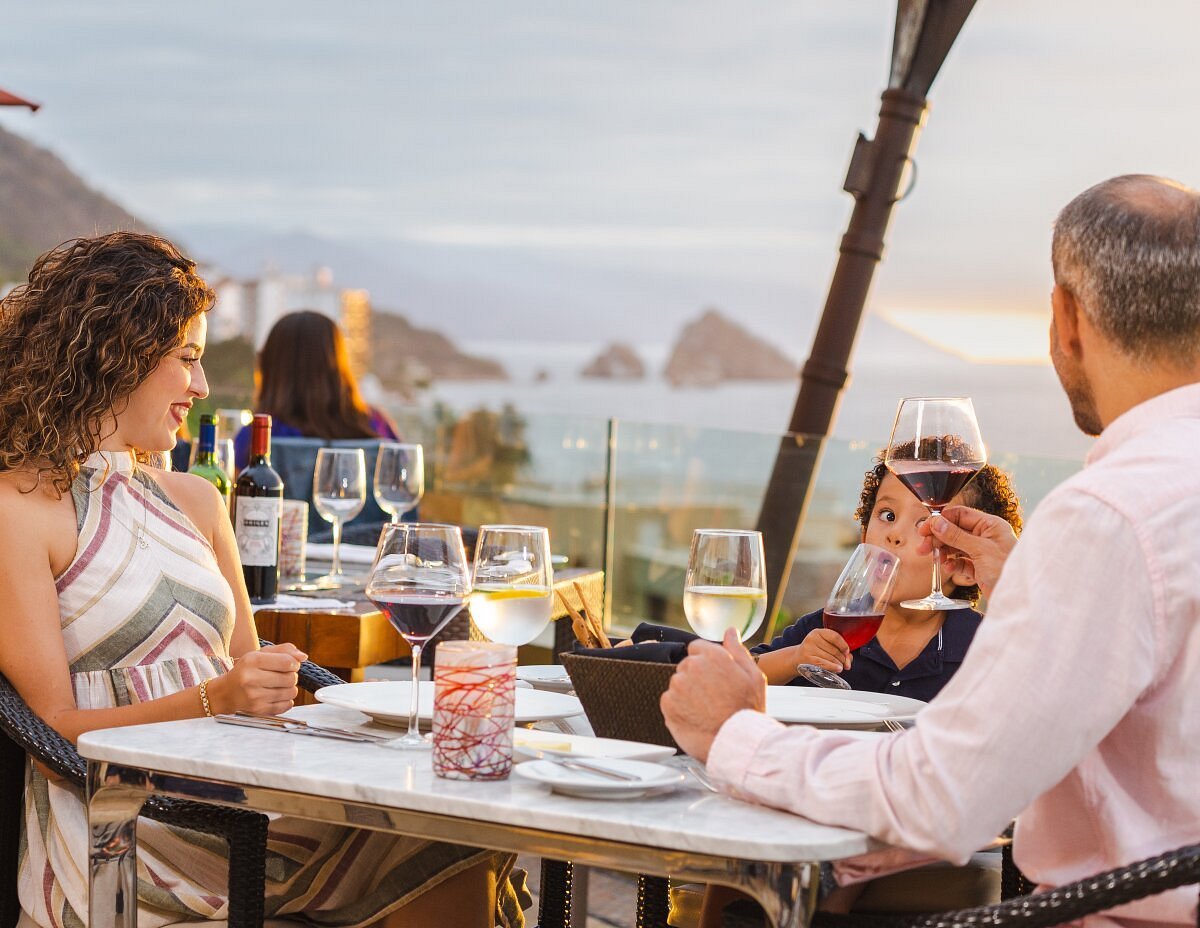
[595, 786]
[387, 702]
[551, 742]
[826, 708]
[551, 677]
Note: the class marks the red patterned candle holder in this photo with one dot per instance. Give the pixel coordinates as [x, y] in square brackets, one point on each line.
[474, 704]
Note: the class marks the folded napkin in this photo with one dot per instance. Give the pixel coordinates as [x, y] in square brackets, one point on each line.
[351, 554]
[654, 652]
[284, 602]
[648, 632]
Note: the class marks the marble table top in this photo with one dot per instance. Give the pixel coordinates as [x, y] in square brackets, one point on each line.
[687, 819]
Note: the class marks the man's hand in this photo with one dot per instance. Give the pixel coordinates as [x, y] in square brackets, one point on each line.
[973, 543]
[711, 684]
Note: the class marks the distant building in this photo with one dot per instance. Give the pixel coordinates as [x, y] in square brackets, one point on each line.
[356, 327]
[249, 308]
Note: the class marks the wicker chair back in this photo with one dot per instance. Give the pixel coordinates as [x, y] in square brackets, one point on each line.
[620, 698]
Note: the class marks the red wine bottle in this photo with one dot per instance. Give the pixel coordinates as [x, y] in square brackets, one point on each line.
[258, 515]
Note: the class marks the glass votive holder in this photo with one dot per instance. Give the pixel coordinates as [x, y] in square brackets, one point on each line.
[293, 535]
[474, 706]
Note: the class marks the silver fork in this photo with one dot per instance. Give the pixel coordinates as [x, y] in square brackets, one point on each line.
[283, 721]
[892, 725]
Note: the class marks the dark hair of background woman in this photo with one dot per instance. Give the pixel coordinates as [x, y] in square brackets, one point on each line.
[304, 379]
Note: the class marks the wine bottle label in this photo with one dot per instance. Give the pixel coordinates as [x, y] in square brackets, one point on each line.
[256, 524]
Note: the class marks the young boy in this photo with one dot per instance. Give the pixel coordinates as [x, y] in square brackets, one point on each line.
[915, 653]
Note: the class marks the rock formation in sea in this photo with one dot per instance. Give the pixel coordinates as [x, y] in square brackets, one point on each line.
[714, 349]
[616, 362]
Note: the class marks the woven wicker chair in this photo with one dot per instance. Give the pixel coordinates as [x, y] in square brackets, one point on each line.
[25, 733]
[1038, 910]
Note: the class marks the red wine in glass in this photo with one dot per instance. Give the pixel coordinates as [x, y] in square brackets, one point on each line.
[418, 615]
[857, 630]
[934, 483]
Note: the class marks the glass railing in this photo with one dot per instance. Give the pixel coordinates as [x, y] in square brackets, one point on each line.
[625, 496]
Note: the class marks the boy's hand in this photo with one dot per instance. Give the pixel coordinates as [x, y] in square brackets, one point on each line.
[825, 648]
[973, 543]
[711, 684]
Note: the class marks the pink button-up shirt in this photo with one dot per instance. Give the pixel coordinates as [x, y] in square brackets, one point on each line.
[1078, 705]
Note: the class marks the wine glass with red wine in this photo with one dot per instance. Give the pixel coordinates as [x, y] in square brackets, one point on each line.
[935, 451]
[420, 582]
[856, 605]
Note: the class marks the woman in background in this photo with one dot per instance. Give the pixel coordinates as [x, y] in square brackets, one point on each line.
[304, 382]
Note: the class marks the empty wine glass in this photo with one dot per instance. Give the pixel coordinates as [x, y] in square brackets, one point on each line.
[224, 452]
[726, 585]
[339, 494]
[511, 582]
[856, 605]
[935, 450]
[399, 478]
[420, 582]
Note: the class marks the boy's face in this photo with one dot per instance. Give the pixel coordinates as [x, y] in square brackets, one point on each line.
[893, 526]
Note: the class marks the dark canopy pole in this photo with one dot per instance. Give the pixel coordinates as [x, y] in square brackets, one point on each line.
[925, 30]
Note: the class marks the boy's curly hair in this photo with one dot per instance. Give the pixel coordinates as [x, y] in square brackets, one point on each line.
[92, 322]
[990, 491]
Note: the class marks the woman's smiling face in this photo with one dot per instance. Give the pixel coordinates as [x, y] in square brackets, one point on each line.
[155, 410]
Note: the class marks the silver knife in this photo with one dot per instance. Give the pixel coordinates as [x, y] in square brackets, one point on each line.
[263, 725]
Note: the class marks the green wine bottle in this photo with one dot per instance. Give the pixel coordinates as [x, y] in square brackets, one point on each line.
[206, 465]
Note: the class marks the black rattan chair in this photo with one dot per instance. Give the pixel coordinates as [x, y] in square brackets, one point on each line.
[1037, 910]
[24, 733]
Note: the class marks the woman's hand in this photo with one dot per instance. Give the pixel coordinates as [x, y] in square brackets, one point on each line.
[825, 648]
[262, 682]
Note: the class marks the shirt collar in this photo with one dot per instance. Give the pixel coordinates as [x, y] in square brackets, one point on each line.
[1180, 403]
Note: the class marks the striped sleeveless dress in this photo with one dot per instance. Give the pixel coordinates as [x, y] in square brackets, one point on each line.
[145, 612]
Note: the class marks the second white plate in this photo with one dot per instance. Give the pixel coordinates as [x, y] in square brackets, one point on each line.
[551, 677]
[826, 708]
[587, 785]
[386, 701]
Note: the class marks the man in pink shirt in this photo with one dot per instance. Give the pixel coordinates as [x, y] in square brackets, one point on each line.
[1077, 709]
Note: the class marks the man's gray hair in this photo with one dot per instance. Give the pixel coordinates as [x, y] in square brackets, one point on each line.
[1128, 250]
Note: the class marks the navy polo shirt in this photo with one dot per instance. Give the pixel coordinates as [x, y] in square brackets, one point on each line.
[874, 670]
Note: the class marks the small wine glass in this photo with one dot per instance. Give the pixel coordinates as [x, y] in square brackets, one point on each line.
[339, 494]
[856, 605]
[420, 582]
[224, 453]
[726, 585]
[935, 450]
[512, 582]
[399, 478]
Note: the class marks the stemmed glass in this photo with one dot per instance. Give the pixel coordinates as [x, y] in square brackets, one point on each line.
[511, 582]
[856, 605]
[420, 582]
[399, 478]
[726, 585]
[339, 494]
[935, 450]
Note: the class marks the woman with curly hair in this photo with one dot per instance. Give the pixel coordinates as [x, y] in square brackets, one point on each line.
[915, 652]
[124, 600]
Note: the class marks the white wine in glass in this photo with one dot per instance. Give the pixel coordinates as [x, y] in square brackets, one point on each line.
[935, 451]
[339, 494]
[726, 585]
[512, 583]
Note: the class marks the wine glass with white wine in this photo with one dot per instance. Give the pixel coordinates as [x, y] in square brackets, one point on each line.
[726, 584]
[339, 494]
[399, 478]
[512, 583]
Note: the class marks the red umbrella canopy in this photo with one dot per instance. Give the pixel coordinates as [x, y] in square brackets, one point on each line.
[11, 99]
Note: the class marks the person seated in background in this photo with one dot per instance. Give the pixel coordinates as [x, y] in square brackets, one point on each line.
[304, 382]
[915, 652]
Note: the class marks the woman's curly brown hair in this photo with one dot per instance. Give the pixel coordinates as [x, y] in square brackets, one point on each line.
[93, 321]
[990, 491]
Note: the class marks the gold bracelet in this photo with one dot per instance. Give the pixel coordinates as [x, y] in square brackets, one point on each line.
[204, 699]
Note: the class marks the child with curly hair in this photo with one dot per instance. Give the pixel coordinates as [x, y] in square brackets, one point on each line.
[914, 653]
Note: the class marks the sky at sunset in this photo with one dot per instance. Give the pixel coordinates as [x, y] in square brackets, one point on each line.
[705, 139]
